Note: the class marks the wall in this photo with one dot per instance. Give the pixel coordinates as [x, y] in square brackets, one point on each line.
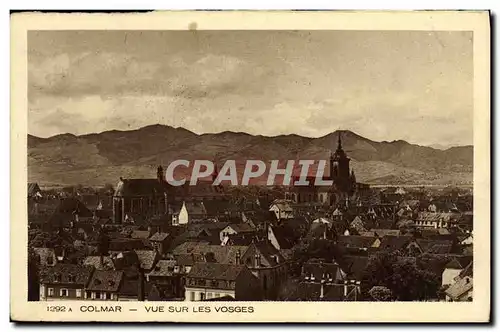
[449, 275]
[208, 293]
[71, 291]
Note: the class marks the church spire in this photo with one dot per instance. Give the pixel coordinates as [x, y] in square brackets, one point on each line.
[339, 143]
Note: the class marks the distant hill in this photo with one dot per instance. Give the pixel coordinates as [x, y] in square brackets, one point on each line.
[97, 159]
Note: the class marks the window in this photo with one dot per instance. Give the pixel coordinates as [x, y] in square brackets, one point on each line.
[192, 296]
[88, 295]
[78, 293]
[63, 292]
[104, 296]
[97, 295]
[50, 292]
[50, 260]
[209, 295]
[217, 295]
[202, 296]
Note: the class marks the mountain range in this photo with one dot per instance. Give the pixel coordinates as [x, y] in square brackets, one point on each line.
[97, 159]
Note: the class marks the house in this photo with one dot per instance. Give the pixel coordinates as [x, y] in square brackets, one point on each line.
[467, 239]
[394, 243]
[282, 237]
[358, 242]
[34, 190]
[384, 232]
[47, 256]
[99, 262]
[64, 282]
[218, 209]
[214, 280]
[147, 259]
[69, 211]
[461, 290]
[132, 287]
[236, 229]
[453, 269]
[160, 242]
[140, 234]
[104, 285]
[258, 219]
[318, 270]
[436, 219]
[217, 253]
[267, 264]
[159, 292]
[282, 209]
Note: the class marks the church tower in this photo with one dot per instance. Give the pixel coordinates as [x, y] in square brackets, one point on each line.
[339, 163]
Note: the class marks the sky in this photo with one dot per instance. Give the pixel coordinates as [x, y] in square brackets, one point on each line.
[383, 85]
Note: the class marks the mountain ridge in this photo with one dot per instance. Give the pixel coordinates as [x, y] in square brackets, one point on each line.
[99, 158]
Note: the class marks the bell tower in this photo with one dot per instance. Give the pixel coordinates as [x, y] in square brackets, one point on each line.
[340, 167]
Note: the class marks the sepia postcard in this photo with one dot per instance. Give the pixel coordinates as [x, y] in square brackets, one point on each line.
[248, 166]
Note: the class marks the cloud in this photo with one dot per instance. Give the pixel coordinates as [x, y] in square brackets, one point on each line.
[415, 86]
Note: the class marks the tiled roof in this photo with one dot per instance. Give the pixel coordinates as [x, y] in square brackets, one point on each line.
[355, 266]
[307, 291]
[95, 261]
[355, 241]
[216, 207]
[66, 274]
[105, 281]
[163, 268]
[394, 242]
[140, 187]
[459, 263]
[216, 271]
[146, 258]
[44, 254]
[432, 246]
[318, 270]
[241, 228]
[158, 237]
[222, 254]
[459, 288]
[137, 234]
[384, 232]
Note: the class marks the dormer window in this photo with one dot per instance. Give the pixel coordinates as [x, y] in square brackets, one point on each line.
[312, 277]
[71, 278]
[57, 277]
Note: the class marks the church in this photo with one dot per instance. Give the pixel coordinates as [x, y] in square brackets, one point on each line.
[136, 199]
[344, 186]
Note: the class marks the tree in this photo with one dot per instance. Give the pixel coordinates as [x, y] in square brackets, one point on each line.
[405, 280]
[380, 293]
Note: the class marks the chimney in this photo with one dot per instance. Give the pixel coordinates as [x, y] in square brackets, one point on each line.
[238, 257]
[160, 175]
[257, 261]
